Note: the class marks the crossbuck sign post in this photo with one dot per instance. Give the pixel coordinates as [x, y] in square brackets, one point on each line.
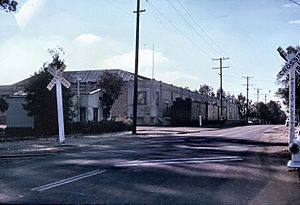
[292, 65]
[58, 80]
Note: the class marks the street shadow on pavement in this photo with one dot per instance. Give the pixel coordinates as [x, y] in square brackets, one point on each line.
[156, 171]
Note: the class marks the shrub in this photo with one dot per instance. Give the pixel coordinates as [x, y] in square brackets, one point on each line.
[99, 127]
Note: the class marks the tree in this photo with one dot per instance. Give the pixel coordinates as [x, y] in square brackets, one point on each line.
[263, 112]
[252, 110]
[111, 85]
[206, 90]
[270, 112]
[240, 101]
[8, 5]
[277, 116]
[219, 94]
[3, 105]
[41, 103]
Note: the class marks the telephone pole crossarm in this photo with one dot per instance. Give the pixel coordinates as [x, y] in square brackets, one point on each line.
[257, 93]
[247, 89]
[221, 85]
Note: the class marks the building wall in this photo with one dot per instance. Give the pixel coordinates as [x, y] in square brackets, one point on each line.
[16, 116]
[90, 104]
[159, 97]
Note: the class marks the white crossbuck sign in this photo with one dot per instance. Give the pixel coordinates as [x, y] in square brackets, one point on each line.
[57, 74]
[292, 65]
[58, 80]
[293, 61]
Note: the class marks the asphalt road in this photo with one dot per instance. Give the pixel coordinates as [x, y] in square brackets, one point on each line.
[242, 165]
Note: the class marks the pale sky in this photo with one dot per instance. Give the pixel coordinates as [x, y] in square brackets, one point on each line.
[186, 35]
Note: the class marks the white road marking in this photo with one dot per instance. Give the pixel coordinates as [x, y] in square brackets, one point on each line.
[233, 132]
[225, 133]
[179, 161]
[68, 180]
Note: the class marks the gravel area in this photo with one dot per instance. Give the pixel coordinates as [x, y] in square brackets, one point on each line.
[32, 145]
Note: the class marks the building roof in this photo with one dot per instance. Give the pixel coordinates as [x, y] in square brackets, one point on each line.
[92, 76]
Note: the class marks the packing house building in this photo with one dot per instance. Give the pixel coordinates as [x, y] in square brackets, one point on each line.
[155, 100]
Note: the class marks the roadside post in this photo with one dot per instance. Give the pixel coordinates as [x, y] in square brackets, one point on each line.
[200, 120]
[292, 65]
[57, 71]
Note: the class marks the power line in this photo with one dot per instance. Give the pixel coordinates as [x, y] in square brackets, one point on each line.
[198, 25]
[158, 18]
[157, 11]
[178, 30]
[120, 8]
[191, 26]
[207, 35]
[257, 90]
[294, 2]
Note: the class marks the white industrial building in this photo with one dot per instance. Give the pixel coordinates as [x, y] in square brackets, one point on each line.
[155, 99]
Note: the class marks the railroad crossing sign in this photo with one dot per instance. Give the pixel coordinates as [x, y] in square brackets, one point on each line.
[293, 61]
[58, 80]
[292, 65]
[57, 74]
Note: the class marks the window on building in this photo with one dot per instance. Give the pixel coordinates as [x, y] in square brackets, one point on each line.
[157, 97]
[83, 114]
[95, 114]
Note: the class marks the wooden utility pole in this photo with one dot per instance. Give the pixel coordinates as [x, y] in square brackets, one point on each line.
[257, 93]
[221, 117]
[247, 104]
[265, 98]
[136, 66]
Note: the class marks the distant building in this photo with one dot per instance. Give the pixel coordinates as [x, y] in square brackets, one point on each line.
[155, 99]
[17, 120]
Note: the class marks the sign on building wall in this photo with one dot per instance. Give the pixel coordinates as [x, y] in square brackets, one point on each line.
[142, 98]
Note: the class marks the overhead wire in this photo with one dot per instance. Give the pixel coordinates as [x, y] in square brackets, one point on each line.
[192, 27]
[222, 51]
[120, 8]
[208, 39]
[200, 27]
[157, 16]
[178, 30]
[294, 2]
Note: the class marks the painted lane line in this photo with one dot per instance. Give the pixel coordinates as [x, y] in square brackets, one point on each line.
[179, 161]
[63, 180]
[184, 159]
[68, 180]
